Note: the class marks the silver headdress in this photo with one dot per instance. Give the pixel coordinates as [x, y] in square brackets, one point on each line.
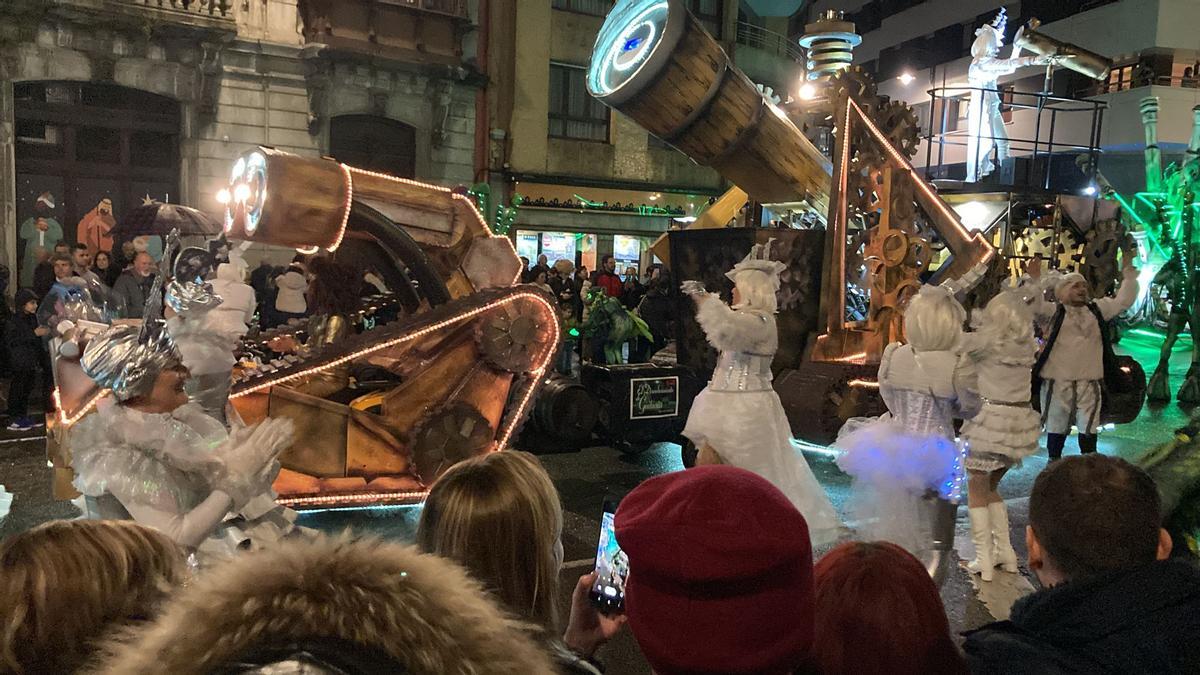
[759, 260]
[188, 291]
[119, 359]
[128, 359]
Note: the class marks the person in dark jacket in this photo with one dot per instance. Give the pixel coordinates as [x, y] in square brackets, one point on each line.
[1113, 601]
[657, 310]
[23, 337]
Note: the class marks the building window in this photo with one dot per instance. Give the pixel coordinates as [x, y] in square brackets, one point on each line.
[374, 143]
[708, 12]
[573, 111]
[592, 7]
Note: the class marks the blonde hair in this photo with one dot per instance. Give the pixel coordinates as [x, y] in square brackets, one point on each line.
[1008, 320]
[934, 319]
[757, 290]
[499, 516]
[67, 584]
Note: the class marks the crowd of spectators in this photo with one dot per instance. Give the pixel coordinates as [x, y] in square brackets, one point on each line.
[721, 580]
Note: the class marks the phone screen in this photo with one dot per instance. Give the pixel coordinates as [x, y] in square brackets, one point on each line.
[608, 593]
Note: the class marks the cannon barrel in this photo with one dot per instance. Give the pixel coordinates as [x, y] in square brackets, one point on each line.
[1073, 57]
[655, 63]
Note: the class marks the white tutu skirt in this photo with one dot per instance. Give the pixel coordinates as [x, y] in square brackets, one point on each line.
[895, 474]
[1000, 436]
[749, 430]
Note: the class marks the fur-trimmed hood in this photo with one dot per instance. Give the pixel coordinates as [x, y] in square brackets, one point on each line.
[421, 610]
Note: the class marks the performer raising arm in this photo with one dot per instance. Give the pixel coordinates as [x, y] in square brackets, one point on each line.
[1071, 365]
[738, 418]
[151, 456]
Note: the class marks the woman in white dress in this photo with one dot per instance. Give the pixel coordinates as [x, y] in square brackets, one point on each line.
[738, 418]
[906, 464]
[1006, 430]
[149, 455]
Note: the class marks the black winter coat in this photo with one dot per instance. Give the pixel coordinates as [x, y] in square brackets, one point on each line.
[1145, 620]
[25, 348]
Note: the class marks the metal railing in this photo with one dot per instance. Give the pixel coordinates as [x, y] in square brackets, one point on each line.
[769, 41]
[944, 132]
[214, 8]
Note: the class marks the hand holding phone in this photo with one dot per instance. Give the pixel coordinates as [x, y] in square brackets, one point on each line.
[612, 566]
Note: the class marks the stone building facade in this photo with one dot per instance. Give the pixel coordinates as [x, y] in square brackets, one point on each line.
[121, 99]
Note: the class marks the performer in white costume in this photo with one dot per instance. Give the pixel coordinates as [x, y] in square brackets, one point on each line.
[150, 455]
[1072, 363]
[738, 418]
[985, 125]
[1006, 430]
[204, 332]
[906, 464]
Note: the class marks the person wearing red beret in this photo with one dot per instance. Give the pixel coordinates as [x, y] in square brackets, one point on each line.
[720, 574]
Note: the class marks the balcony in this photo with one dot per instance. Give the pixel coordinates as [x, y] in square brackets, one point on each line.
[414, 31]
[767, 57]
[214, 17]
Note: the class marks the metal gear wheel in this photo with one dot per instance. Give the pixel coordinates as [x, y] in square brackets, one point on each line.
[448, 435]
[901, 125]
[514, 336]
[859, 85]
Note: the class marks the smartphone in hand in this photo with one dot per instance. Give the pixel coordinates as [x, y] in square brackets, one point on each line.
[612, 567]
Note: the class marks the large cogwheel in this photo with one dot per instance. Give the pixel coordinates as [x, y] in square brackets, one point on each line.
[858, 85]
[901, 125]
[517, 335]
[449, 435]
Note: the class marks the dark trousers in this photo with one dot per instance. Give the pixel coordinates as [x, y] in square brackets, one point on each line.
[1056, 442]
[19, 389]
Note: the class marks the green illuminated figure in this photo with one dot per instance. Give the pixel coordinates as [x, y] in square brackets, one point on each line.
[1166, 212]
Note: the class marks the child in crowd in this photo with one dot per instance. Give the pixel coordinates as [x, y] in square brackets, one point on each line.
[23, 337]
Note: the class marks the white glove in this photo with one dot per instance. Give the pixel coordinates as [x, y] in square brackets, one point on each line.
[249, 458]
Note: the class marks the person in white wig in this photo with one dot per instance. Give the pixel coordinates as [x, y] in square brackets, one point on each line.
[1006, 430]
[985, 124]
[906, 463]
[737, 419]
[1072, 363]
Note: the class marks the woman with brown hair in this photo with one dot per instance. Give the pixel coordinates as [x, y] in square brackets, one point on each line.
[67, 584]
[499, 517]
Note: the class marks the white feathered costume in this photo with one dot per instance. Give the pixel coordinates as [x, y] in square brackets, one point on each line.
[739, 414]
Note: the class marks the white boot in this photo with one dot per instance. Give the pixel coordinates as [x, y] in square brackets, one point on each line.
[981, 536]
[1004, 557]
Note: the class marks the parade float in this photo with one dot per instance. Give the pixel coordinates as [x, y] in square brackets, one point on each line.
[441, 369]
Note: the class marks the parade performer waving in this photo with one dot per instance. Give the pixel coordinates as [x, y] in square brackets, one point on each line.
[150, 455]
[738, 418]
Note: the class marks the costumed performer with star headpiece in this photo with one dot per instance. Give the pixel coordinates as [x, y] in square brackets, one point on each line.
[737, 419]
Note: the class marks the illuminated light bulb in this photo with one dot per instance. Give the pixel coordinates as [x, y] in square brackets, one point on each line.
[906, 78]
[807, 91]
[1089, 190]
[223, 196]
[242, 192]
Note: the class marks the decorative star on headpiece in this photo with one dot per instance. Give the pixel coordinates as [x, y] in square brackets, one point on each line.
[1000, 23]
